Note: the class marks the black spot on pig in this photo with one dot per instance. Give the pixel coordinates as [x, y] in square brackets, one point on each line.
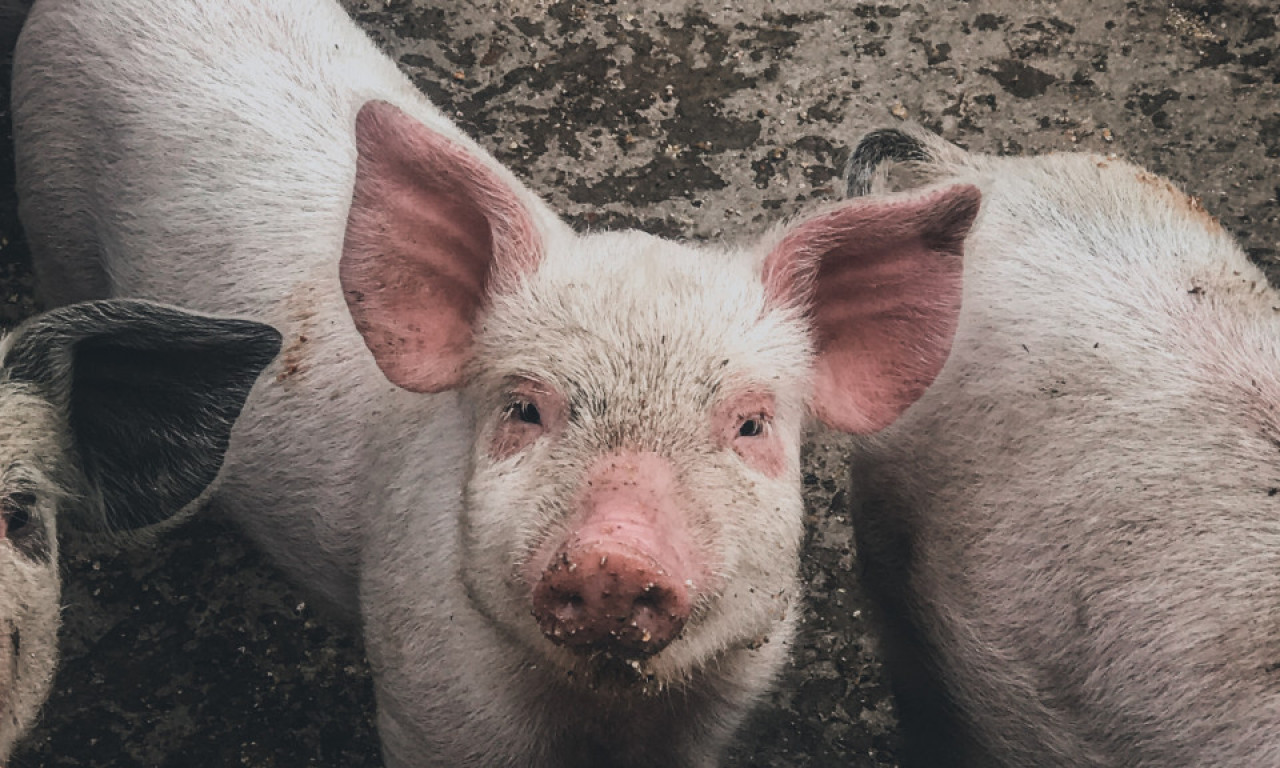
[23, 530]
[874, 149]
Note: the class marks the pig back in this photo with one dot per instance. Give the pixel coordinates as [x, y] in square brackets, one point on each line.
[1071, 537]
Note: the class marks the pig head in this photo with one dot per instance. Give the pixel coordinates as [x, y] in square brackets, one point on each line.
[1072, 538]
[633, 490]
[113, 415]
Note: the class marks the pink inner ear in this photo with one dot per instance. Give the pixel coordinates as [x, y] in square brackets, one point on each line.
[885, 277]
[430, 226]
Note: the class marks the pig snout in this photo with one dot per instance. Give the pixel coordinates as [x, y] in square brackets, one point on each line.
[603, 594]
[622, 582]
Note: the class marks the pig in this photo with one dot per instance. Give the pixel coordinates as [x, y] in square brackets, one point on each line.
[1072, 539]
[552, 477]
[114, 416]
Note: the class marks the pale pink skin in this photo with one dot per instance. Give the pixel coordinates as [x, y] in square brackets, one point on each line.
[895, 293]
[427, 223]
[624, 579]
[627, 561]
[423, 292]
[763, 451]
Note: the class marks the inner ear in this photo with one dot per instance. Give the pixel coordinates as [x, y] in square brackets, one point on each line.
[884, 279]
[432, 230]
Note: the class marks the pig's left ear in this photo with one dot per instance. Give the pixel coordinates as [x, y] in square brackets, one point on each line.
[883, 277]
[150, 393]
[433, 229]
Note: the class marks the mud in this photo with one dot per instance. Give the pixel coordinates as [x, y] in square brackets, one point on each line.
[696, 120]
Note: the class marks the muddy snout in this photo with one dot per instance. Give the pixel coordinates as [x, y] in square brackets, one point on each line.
[623, 577]
[600, 595]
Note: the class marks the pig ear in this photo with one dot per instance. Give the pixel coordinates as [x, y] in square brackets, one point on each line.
[883, 276]
[151, 393]
[432, 230]
[905, 143]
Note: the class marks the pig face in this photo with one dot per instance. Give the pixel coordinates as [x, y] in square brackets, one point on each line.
[652, 448]
[632, 511]
[112, 415]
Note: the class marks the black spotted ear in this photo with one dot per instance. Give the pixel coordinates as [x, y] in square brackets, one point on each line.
[151, 393]
[886, 147]
[875, 149]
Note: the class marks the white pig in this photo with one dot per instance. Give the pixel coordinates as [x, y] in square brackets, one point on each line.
[1073, 538]
[113, 415]
[554, 476]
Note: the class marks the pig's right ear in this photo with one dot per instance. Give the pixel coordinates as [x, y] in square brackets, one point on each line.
[150, 392]
[431, 232]
[883, 278]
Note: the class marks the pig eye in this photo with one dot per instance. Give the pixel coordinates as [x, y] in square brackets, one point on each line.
[16, 508]
[751, 428]
[524, 411]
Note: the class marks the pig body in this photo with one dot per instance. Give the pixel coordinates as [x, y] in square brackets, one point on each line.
[554, 477]
[1073, 538]
[80, 388]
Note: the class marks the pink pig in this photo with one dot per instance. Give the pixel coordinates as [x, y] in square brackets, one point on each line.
[555, 477]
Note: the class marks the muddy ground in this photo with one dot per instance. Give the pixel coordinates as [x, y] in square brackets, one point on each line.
[690, 119]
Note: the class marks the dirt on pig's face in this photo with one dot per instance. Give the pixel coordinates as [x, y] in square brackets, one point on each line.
[633, 512]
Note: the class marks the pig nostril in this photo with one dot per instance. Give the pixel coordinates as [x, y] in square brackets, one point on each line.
[650, 599]
[567, 606]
